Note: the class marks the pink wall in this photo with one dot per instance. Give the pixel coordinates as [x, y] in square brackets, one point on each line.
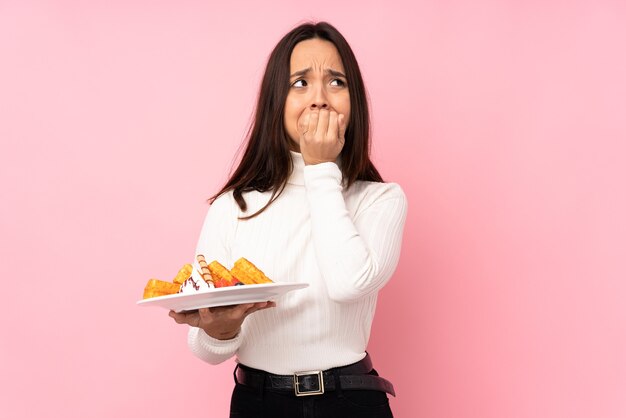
[503, 121]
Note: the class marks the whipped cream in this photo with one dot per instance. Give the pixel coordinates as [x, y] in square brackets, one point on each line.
[195, 283]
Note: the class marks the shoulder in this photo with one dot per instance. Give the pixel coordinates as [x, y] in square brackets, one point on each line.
[225, 203]
[372, 192]
[223, 200]
[364, 195]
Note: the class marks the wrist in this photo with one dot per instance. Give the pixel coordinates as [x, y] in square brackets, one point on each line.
[315, 162]
[222, 335]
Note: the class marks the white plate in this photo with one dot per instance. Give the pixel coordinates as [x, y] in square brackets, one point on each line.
[222, 296]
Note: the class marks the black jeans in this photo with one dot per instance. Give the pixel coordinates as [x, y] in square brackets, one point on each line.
[250, 402]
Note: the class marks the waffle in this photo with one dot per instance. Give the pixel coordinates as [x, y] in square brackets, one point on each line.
[248, 273]
[215, 274]
[156, 287]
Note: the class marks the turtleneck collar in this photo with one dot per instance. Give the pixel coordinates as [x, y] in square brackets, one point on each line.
[297, 175]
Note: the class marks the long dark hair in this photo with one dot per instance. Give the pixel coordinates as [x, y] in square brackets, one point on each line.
[266, 162]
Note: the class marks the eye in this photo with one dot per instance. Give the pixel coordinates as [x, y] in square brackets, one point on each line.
[338, 82]
[299, 83]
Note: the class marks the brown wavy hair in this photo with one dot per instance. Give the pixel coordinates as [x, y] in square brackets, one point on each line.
[266, 162]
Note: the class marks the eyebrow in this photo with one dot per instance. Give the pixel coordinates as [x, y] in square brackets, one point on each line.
[330, 71]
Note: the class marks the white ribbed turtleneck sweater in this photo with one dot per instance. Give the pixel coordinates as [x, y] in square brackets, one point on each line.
[344, 242]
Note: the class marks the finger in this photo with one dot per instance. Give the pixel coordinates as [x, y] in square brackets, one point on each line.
[322, 124]
[182, 318]
[239, 311]
[343, 125]
[205, 315]
[260, 306]
[333, 127]
[177, 317]
[313, 117]
[257, 307]
[193, 318]
[303, 122]
[219, 310]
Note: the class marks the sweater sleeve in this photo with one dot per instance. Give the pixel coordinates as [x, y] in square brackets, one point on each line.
[356, 256]
[214, 243]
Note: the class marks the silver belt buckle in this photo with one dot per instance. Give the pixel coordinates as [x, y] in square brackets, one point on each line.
[296, 383]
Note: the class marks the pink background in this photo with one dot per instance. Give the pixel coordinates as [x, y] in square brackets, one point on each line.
[503, 121]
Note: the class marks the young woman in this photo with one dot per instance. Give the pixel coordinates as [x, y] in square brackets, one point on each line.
[305, 204]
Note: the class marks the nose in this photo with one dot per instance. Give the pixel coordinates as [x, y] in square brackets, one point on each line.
[319, 101]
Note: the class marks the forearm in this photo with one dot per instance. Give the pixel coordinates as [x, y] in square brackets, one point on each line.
[356, 256]
[209, 349]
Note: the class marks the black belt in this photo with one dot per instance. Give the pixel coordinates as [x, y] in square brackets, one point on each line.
[351, 377]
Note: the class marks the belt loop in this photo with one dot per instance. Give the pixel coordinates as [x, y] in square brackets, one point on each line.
[235, 373]
[337, 383]
[264, 378]
[368, 360]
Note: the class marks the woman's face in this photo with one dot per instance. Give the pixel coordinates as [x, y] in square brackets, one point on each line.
[317, 81]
